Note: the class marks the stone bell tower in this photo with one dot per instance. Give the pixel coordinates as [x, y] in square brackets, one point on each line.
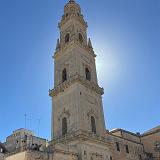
[76, 97]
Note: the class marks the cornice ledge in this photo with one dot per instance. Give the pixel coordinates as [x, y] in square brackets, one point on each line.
[65, 152]
[80, 135]
[71, 43]
[77, 78]
[73, 16]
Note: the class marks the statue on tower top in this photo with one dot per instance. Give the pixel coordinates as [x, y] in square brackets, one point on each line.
[71, 1]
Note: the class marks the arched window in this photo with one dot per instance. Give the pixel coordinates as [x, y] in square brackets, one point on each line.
[67, 38]
[88, 74]
[140, 157]
[80, 38]
[118, 146]
[127, 149]
[93, 124]
[64, 126]
[64, 75]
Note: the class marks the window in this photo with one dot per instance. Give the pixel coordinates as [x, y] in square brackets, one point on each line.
[93, 125]
[64, 75]
[66, 14]
[110, 157]
[117, 146]
[140, 157]
[127, 149]
[67, 38]
[88, 74]
[64, 126]
[80, 38]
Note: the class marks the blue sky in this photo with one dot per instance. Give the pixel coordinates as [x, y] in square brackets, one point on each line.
[126, 38]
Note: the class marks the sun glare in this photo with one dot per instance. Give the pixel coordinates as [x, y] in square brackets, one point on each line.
[108, 65]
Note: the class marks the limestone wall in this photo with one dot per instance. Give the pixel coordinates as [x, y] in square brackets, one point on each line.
[135, 149]
[131, 137]
[149, 141]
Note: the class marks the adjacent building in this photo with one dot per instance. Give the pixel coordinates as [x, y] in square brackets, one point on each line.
[22, 139]
[2, 151]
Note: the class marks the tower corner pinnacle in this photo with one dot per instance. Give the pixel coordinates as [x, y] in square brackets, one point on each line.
[58, 45]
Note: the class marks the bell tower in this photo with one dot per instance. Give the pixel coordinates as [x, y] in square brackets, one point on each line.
[76, 97]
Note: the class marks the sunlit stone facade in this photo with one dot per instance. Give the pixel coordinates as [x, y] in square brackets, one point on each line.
[78, 127]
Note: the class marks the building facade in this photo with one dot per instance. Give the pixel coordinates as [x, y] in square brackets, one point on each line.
[78, 126]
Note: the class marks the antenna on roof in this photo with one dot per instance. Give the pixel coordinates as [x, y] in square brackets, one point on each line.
[25, 120]
[38, 127]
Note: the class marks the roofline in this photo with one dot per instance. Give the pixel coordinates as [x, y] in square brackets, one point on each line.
[129, 140]
[41, 138]
[150, 133]
[22, 129]
[134, 134]
[119, 129]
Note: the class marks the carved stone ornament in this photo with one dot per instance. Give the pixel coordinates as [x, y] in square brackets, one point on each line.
[91, 113]
[65, 113]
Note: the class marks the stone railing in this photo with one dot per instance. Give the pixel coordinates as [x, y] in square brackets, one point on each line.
[76, 78]
[78, 134]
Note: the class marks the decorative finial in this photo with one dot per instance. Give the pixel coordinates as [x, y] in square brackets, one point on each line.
[90, 44]
[58, 45]
[71, 1]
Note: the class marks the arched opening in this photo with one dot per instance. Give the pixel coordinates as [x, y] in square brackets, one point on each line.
[118, 146]
[140, 157]
[64, 75]
[127, 149]
[67, 38]
[80, 38]
[88, 74]
[64, 126]
[93, 125]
